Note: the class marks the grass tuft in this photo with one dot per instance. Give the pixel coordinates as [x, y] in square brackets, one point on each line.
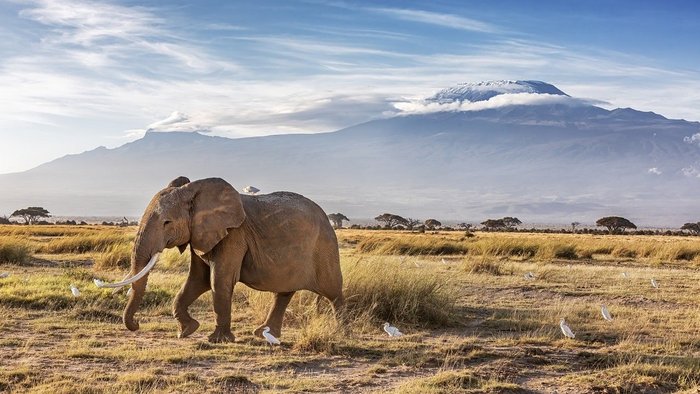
[14, 250]
[389, 291]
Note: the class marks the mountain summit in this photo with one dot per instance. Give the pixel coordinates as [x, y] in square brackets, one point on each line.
[483, 91]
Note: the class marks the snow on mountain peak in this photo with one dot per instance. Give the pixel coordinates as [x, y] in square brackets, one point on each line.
[482, 91]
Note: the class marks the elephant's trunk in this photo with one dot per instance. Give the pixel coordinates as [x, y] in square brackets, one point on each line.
[142, 260]
[137, 293]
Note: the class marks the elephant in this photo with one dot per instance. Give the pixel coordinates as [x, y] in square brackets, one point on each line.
[280, 242]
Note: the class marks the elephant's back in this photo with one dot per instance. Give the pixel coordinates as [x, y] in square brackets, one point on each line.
[285, 203]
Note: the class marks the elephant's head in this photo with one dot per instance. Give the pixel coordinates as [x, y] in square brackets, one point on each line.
[197, 213]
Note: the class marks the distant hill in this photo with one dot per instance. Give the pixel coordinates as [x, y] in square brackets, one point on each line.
[488, 153]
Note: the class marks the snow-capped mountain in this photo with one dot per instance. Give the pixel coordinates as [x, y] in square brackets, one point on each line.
[483, 91]
[546, 162]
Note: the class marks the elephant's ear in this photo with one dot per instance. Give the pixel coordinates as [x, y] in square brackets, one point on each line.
[215, 207]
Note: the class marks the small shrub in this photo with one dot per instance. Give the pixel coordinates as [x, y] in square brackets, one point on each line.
[565, 252]
[319, 334]
[14, 250]
[483, 267]
[623, 252]
[388, 292]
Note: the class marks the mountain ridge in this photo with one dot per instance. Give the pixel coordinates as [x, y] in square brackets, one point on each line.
[544, 163]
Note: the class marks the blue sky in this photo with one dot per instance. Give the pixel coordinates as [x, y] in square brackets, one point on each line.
[75, 75]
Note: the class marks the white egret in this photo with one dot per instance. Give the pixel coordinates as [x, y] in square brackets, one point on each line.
[529, 276]
[4, 275]
[416, 264]
[251, 190]
[605, 312]
[443, 261]
[391, 330]
[269, 337]
[654, 283]
[624, 275]
[74, 290]
[565, 329]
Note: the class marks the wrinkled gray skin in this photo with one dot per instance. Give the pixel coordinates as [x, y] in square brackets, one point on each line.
[280, 242]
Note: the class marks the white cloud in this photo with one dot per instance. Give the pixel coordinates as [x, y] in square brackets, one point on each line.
[438, 19]
[691, 171]
[693, 139]
[654, 171]
[422, 106]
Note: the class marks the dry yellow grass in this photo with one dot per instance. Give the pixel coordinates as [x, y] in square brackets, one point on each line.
[473, 323]
[650, 249]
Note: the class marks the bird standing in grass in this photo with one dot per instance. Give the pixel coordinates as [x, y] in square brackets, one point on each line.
[391, 330]
[605, 312]
[4, 275]
[269, 337]
[654, 283]
[529, 276]
[74, 290]
[624, 275]
[565, 329]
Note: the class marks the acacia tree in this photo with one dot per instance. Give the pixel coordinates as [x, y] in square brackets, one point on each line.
[465, 226]
[493, 224]
[615, 224]
[692, 227]
[337, 219]
[31, 214]
[411, 223]
[390, 220]
[511, 222]
[506, 222]
[432, 223]
[573, 226]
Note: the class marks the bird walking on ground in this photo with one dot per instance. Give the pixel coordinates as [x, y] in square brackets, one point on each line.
[529, 276]
[269, 337]
[4, 275]
[251, 190]
[654, 283]
[74, 290]
[443, 261]
[565, 329]
[606, 313]
[391, 330]
[624, 275]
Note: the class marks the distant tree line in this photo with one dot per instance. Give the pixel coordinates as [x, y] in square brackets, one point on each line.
[35, 216]
[612, 225]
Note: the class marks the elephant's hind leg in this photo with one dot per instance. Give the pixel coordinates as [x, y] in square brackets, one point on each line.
[197, 283]
[276, 315]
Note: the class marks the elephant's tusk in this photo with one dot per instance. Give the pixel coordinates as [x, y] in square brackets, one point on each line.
[134, 278]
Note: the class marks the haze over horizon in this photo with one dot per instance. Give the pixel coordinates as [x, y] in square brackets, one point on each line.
[82, 74]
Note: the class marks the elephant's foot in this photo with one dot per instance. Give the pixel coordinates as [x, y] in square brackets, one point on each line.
[221, 335]
[187, 328]
[275, 331]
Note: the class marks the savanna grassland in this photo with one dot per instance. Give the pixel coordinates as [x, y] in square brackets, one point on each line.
[472, 321]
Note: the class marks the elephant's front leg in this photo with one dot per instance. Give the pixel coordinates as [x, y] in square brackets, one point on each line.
[225, 272]
[197, 283]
